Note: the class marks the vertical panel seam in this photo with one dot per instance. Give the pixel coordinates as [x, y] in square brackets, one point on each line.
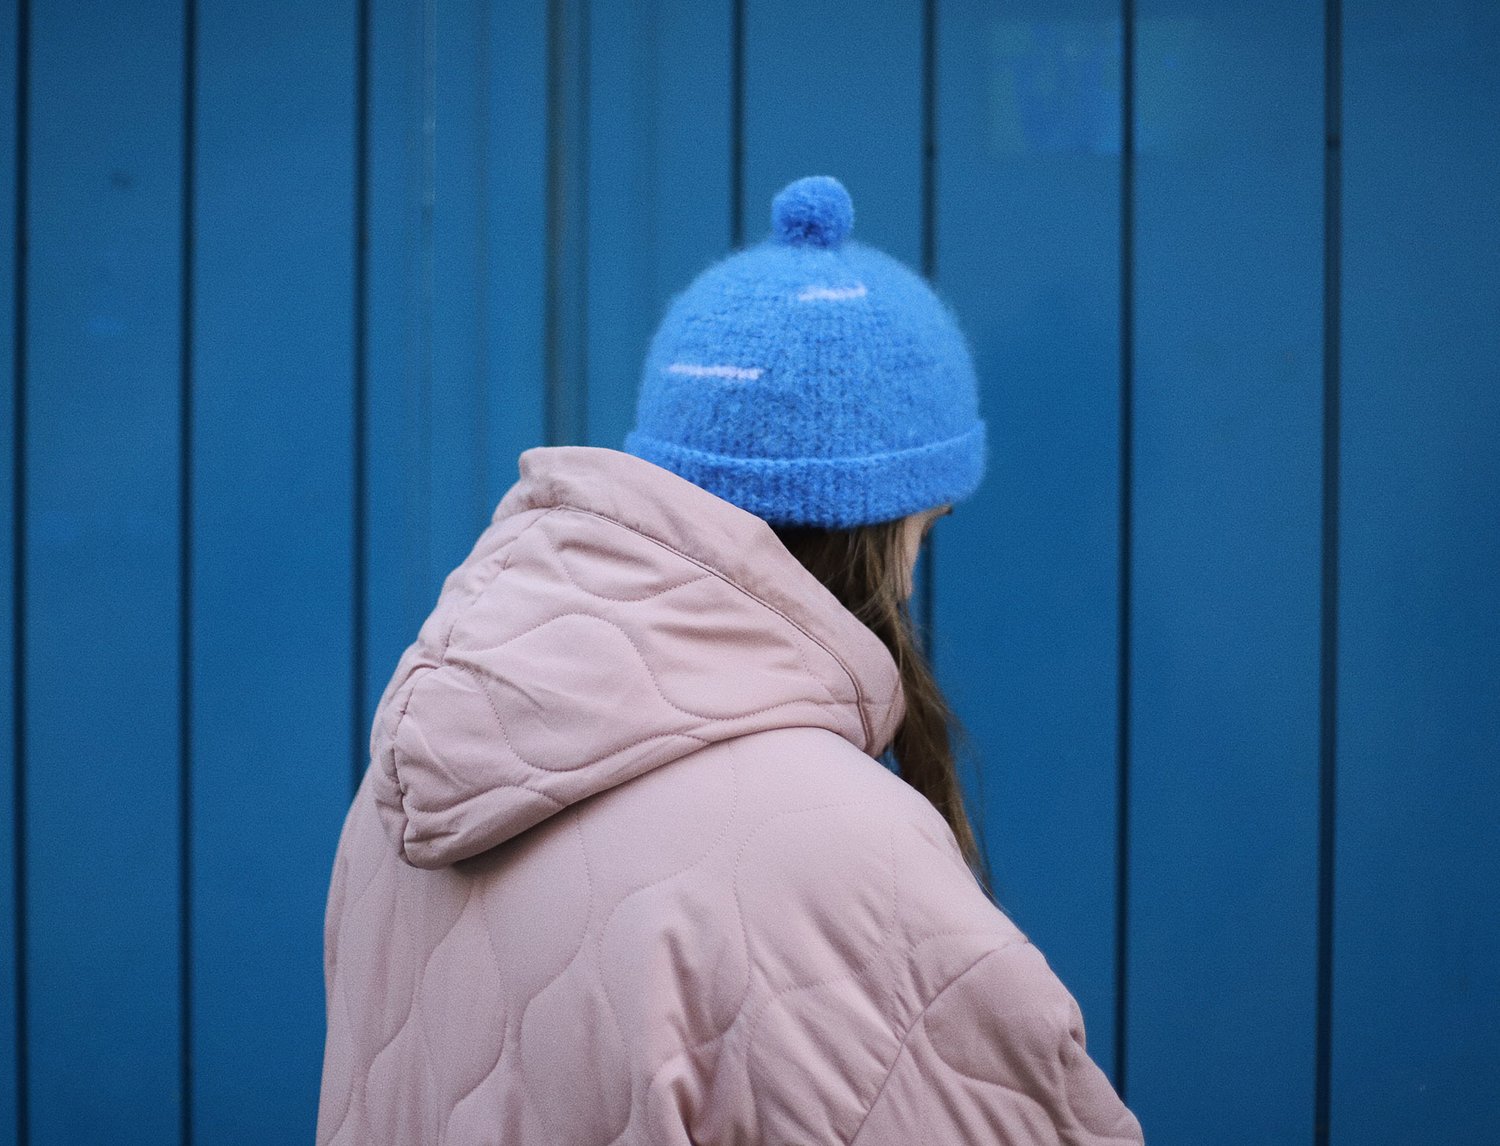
[736, 123]
[566, 275]
[580, 419]
[426, 257]
[358, 651]
[480, 428]
[929, 269]
[551, 318]
[185, 571]
[1123, 684]
[929, 138]
[973, 790]
[18, 550]
[1328, 605]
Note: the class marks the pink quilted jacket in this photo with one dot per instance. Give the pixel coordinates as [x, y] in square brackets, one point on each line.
[624, 868]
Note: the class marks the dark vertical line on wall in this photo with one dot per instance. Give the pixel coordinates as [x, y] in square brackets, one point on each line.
[553, 398]
[1127, 436]
[579, 420]
[18, 583]
[566, 309]
[185, 568]
[929, 269]
[736, 122]
[358, 654]
[427, 285]
[481, 427]
[929, 138]
[1329, 615]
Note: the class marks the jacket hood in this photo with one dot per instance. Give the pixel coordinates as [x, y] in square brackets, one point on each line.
[611, 618]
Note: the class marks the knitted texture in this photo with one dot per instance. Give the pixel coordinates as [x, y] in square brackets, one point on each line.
[812, 379]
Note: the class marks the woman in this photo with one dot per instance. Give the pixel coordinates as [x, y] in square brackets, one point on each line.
[625, 867]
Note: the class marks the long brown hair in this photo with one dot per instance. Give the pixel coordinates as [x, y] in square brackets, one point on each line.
[862, 567]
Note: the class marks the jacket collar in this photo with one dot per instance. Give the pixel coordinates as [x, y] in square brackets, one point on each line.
[721, 537]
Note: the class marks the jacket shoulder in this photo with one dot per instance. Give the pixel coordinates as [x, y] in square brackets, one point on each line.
[861, 833]
[813, 787]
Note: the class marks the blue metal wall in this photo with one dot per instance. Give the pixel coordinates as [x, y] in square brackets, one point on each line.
[285, 287]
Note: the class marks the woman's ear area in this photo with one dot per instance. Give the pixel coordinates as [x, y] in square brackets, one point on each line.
[930, 517]
[915, 528]
[923, 520]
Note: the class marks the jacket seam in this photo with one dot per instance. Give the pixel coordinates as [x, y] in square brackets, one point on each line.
[912, 1026]
[859, 697]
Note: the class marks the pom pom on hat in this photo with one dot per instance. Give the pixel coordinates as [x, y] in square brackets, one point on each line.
[815, 211]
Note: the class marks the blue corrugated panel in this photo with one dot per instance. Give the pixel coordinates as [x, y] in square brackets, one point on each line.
[102, 572]
[10, 129]
[1027, 572]
[272, 544]
[1416, 987]
[832, 89]
[456, 418]
[1225, 569]
[515, 231]
[659, 130]
[399, 586]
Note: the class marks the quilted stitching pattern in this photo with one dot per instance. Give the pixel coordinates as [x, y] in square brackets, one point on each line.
[624, 870]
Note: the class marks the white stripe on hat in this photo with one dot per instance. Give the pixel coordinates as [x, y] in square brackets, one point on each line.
[739, 373]
[835, 294]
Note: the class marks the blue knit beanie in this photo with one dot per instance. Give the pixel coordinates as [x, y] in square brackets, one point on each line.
[811, 379]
